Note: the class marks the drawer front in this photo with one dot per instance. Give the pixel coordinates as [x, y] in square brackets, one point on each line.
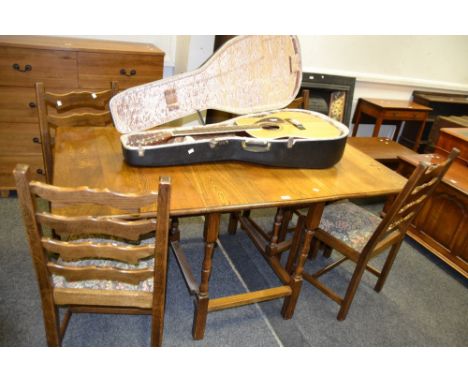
[18, 105]
[447, 142]
[97, 70]
[8, 163]
[405, 115]
[24, 67]
[20, 139]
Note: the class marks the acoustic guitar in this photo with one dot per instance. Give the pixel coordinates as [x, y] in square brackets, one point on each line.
[277, 125]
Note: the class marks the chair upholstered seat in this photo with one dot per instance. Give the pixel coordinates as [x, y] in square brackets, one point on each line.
[143, 286]
[349, 223]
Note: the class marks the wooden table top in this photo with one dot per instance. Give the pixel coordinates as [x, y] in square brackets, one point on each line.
[453, 120]
[396, 104]
[456, 176]
[443, 98]
[92, 156]
[381, 148]
[459, 132]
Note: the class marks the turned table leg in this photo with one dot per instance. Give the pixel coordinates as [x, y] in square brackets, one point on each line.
[312, 221]
[211, 231]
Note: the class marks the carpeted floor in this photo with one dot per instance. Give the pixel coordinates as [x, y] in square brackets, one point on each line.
[424, 303]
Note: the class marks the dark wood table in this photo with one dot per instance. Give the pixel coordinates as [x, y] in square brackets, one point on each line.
[391, 110]
[92, 156]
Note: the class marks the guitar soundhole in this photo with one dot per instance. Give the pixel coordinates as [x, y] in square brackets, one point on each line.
[270, 123]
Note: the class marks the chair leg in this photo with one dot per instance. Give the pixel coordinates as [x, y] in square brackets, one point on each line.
[352, 287]
[314, 248]
[387, 266]
[51, 323]
[157, 320]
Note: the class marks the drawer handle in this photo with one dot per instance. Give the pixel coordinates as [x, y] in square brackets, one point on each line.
[123, 72]
[32, 105]
[36, 140]
[27, 68]
[40, 171]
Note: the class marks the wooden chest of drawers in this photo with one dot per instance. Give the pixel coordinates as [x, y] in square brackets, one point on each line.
[62, 64]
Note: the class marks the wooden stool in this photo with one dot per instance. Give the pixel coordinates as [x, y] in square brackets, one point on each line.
[391, 110]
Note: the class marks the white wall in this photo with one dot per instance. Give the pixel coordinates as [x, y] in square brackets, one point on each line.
[432, 61]
[390, 67]
[384, 66]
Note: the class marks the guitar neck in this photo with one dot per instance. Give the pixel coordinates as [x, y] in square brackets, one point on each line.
[202, 130]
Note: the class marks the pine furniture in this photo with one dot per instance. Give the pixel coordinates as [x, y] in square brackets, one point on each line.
[62, 64]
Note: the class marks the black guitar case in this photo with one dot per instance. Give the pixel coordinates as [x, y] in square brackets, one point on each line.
[254, 76]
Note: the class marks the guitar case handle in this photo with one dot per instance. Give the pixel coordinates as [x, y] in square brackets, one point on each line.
[256, 147]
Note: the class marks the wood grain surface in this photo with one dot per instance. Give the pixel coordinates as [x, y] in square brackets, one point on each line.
[92, 156]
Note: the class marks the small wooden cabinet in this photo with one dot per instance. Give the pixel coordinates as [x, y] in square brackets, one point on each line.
[63, 64]
[442, 224]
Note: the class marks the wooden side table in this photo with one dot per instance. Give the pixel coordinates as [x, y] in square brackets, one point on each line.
[381, 149]
[391, 110]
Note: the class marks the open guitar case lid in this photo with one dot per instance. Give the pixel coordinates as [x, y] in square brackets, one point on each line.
[253, 76]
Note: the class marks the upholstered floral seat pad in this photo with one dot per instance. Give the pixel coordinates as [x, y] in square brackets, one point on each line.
[349, 223]
[144, 286]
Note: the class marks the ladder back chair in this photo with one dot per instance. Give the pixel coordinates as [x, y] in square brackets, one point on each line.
[360, 235]
[77, 108]
[97, 264]
[301, 102]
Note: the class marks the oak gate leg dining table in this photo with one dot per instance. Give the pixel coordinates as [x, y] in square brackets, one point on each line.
[92, 156]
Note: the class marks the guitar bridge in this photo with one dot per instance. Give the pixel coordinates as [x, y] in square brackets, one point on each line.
[296, 123]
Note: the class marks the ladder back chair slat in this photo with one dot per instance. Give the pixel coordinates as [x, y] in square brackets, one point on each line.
[78, 99]
[97, 273]
[85, 195]
[80, 119]
[70, 251]
[130, 230]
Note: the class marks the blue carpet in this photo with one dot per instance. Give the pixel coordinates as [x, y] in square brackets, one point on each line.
[424, 303]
